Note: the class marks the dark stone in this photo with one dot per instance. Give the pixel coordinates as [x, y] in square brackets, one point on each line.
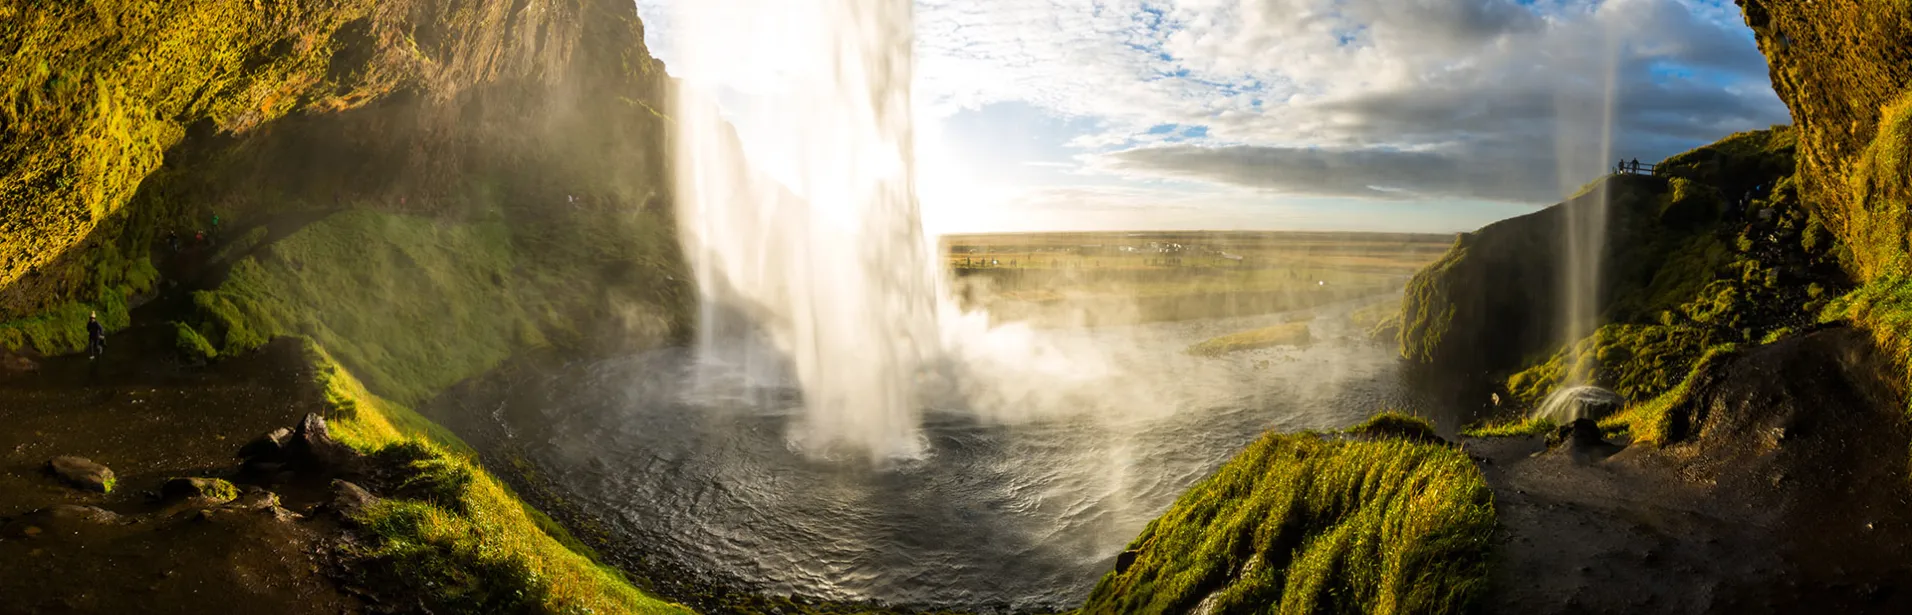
[82, 473]
[267, 448]
[1125, 560]
[1583, 440]
[349, 499]
[313, 447]
[205, 489]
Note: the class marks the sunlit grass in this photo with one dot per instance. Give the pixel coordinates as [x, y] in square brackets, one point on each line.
[1306, 523]
[476, 548]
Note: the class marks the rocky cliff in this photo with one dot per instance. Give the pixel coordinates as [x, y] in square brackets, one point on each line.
[129, 125]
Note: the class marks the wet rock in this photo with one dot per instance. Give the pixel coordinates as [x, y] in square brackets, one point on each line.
[312, 446]
[57, 518]
[1583, 440]
[349, 499]
[82, 473]
[203, 489]
[267, 448]
[1125, 560]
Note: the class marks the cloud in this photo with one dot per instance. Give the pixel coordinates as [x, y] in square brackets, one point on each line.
[1366, 173]
[1514, 101]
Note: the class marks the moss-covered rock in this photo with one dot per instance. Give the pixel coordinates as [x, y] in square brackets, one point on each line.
[217, 490]
[1307, 524]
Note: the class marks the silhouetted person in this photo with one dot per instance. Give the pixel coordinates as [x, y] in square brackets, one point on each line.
[172, 240]
[1636, 165]
[95, 336]
[1620, 167]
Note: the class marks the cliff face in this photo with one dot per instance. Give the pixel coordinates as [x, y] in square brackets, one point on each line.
[129, 124]
[1716, 249]
[1843, 67]
[109, 108]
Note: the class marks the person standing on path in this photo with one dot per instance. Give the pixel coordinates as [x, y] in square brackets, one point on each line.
[95, 336]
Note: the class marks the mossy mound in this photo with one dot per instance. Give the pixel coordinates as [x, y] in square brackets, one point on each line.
[1397, 425]
[1307, 524]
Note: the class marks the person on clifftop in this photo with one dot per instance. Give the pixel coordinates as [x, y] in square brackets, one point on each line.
[95, 336]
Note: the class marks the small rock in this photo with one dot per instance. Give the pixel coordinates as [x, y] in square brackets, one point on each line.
[212, 489]
[82, 473]
[348, 499]
[313, 445]
[267, 448]
[1125, 560]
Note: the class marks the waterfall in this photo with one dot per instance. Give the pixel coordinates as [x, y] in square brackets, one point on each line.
[810, 231]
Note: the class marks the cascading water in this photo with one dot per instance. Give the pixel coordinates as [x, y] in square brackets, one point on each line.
[1583, 149]
[812, 233]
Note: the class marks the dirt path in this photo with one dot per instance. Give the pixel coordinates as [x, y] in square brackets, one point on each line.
[1790, 495]
[149, 419]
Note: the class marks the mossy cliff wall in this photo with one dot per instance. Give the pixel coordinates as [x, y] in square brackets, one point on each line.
[541, 117]
[1716, 248]
[1842, 67]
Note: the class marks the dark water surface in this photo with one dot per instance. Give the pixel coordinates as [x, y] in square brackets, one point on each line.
[1012, 505]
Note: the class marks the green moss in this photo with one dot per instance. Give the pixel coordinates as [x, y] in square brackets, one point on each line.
[1305, 524]
[417, 304]
[1285, 334]
[454, 535]
[191, 344]
[1651, 421]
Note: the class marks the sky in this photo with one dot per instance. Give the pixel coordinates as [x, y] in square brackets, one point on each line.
[1373, 115]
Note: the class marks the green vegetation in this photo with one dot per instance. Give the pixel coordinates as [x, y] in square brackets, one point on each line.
[1717, 250]
[1651, 422]
[62, 327]
[92, 95]
[417, 304]
[1309, 524]
[1396, 425]
[1285, 334]
[455, 535]
[191, 344]
[1515, 428]
[1380, 320]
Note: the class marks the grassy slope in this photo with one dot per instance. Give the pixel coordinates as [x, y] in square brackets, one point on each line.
[1307, 523]
[474, 547]
[417, 304]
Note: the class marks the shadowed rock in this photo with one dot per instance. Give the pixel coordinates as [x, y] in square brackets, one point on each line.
[82, 473]
[270, 447]
[349, 499]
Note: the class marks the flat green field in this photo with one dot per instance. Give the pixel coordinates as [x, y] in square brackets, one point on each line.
[1062, 279]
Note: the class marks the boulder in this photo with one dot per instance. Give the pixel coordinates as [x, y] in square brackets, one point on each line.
[312, 446]
[267, 448]
[349, 499]
[82, 473]
[1583, 440]
[203, 489]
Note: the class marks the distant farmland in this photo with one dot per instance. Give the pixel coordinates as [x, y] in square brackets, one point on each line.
[1061, 279]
